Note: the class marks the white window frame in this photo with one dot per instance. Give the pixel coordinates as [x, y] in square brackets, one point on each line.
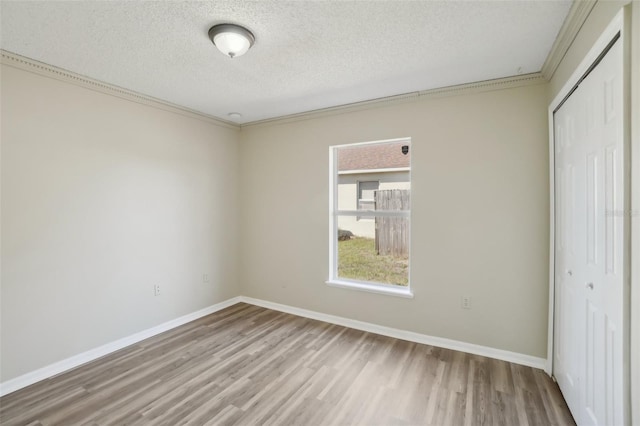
[334, 280]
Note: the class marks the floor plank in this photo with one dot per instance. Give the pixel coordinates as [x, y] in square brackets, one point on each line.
[249, 365]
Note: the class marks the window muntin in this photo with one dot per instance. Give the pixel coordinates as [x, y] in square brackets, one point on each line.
[370, 214]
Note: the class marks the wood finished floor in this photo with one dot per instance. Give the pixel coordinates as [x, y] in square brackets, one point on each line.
[248, 365]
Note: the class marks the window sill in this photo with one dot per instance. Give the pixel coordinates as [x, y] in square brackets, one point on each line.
[372, 288]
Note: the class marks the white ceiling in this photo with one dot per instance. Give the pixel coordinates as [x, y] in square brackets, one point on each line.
[308, 55]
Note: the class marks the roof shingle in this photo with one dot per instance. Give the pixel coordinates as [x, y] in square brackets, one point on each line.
[375, 156]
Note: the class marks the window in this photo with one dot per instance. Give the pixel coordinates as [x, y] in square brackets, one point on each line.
[366, 196]
[370, 216]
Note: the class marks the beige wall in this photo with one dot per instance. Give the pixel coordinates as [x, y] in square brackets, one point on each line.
[479, 216]
[101, 199]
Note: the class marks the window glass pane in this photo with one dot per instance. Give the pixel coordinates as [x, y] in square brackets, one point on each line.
[375, 251]
[364, 170]
[366, 197]
[367, 189]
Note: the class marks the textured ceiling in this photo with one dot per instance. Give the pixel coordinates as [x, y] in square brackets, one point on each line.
[308, 54]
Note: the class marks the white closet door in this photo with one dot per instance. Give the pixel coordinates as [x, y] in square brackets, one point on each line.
[569, 329]
[589, 159]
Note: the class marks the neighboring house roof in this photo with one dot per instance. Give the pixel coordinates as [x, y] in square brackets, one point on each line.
[375, 156]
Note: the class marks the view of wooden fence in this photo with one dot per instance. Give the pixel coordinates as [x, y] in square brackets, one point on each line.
[392, 233]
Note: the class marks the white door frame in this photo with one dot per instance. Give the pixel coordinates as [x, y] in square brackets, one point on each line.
[620, 24]
[635, 214]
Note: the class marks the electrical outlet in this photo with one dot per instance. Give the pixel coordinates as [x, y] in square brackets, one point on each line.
[156, 289]
[205, 278]
[466, 302]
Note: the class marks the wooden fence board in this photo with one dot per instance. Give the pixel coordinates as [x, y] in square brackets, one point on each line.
[392, 233]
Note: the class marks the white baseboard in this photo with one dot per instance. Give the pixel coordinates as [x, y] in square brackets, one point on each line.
[514, 357]
[93, 354]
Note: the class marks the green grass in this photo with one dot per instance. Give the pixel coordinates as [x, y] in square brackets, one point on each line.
[357, 259]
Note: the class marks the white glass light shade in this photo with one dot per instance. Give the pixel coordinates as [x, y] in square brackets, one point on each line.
[232, 40]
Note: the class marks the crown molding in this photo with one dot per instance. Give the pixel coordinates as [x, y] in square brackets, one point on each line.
[461, 89]
[31, 65]
[21, 62]
[578, 14]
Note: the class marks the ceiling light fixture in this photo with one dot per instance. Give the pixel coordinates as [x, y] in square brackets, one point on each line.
[232, 40]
